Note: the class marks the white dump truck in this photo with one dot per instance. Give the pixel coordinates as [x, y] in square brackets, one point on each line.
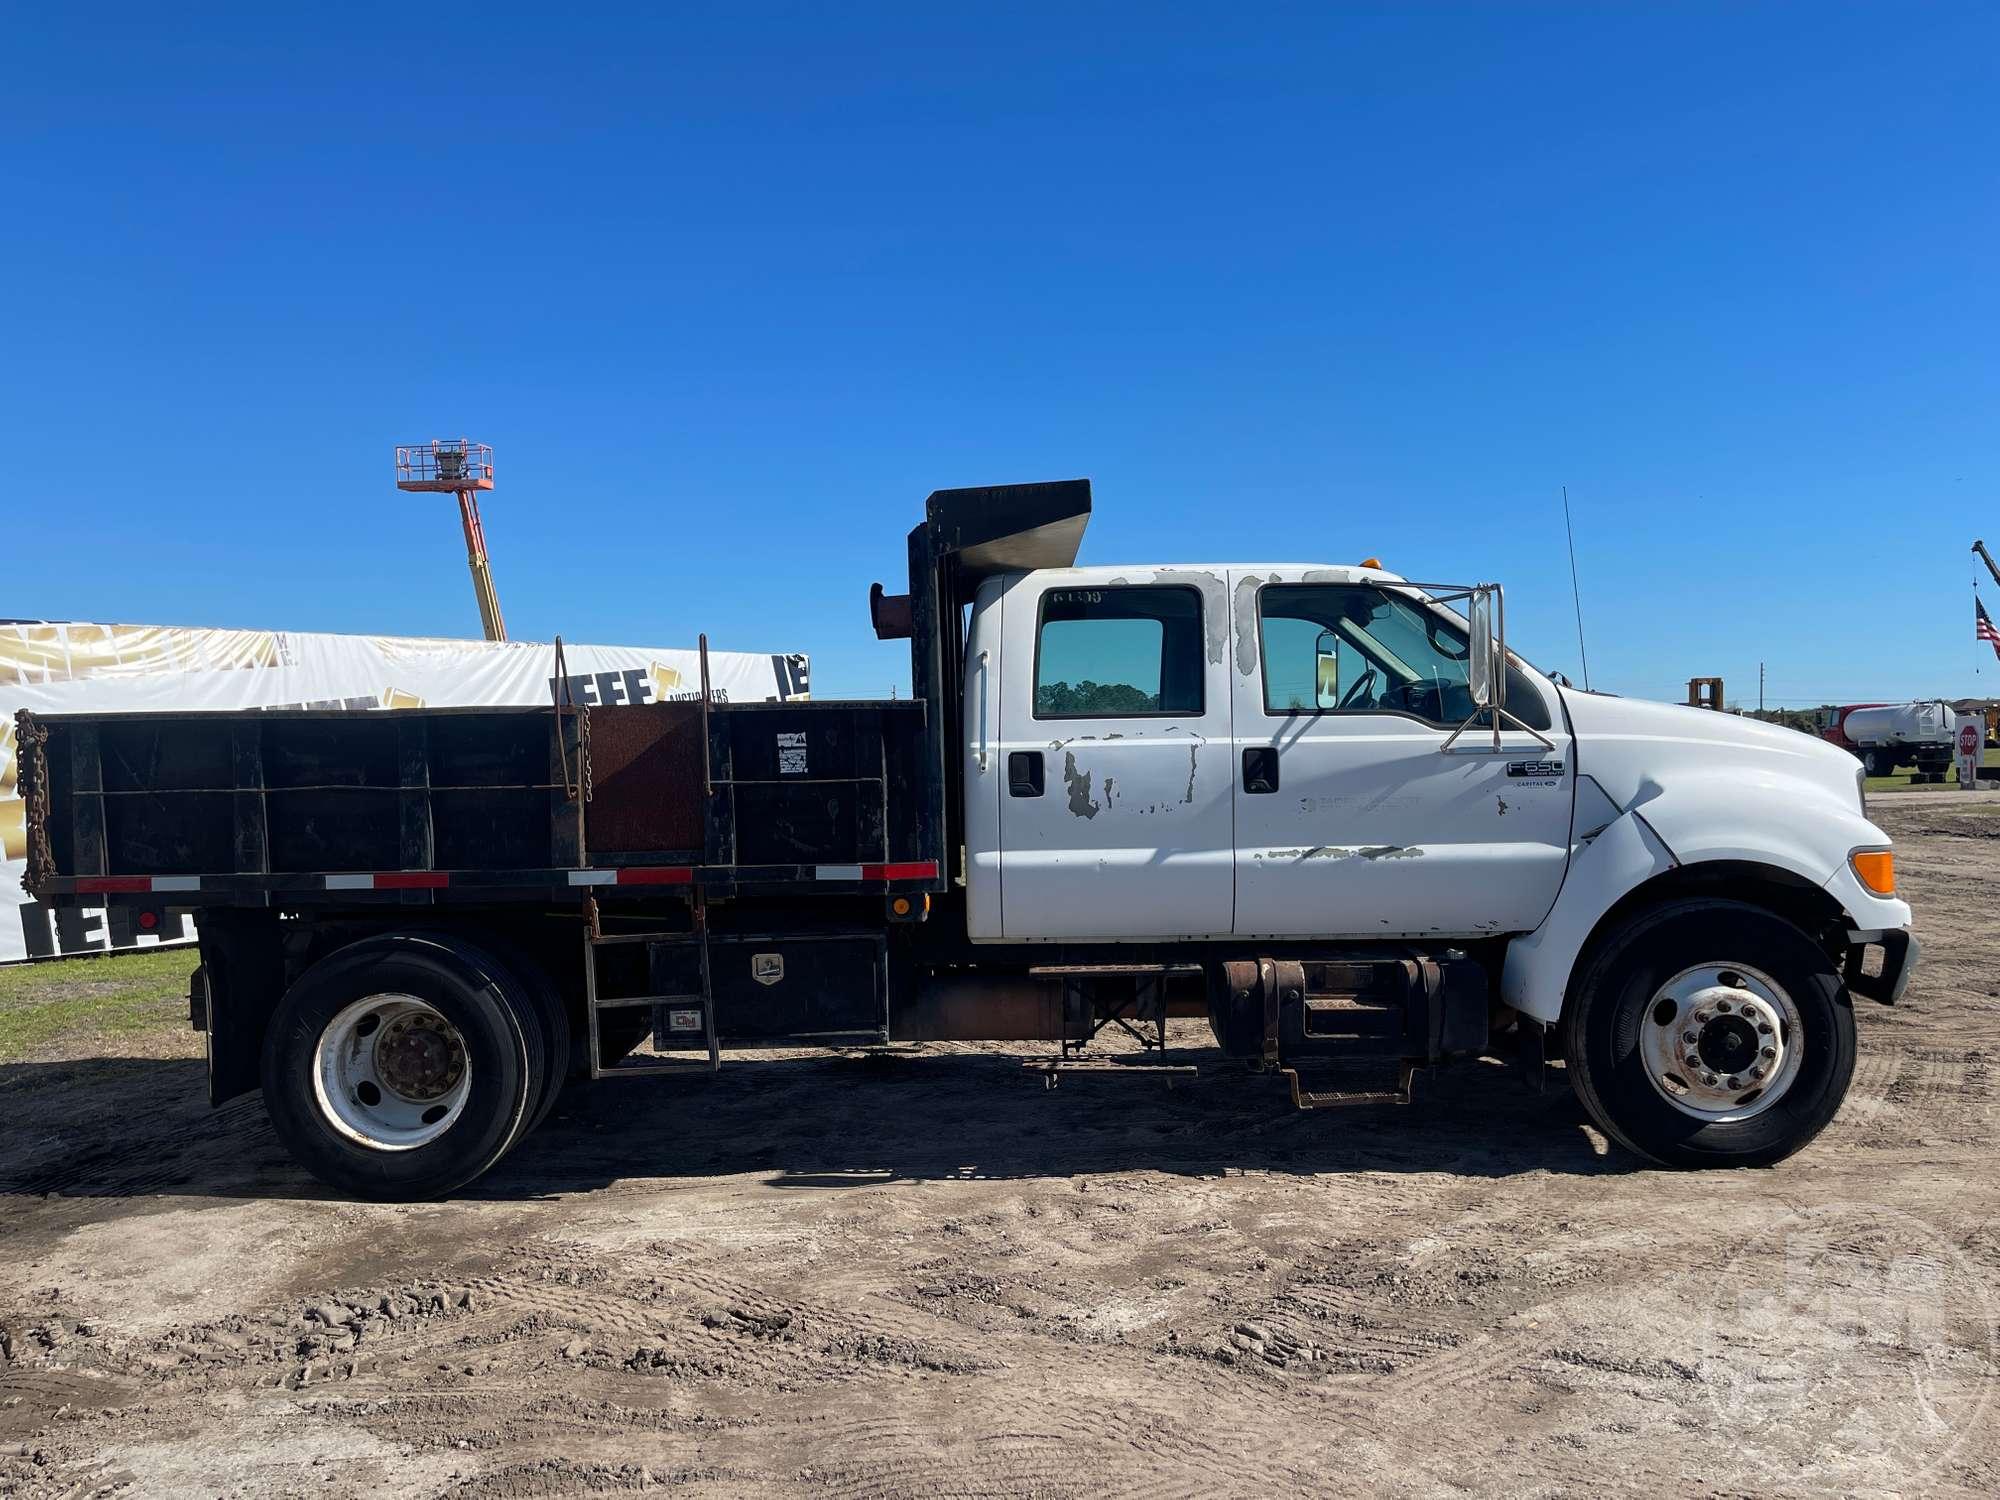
[1322, 807]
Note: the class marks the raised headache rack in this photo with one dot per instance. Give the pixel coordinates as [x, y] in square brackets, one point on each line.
[967, 535]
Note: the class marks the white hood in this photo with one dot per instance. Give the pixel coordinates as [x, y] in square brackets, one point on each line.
[1623, 743]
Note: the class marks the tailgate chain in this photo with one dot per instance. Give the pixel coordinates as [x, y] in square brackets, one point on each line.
[31, 751]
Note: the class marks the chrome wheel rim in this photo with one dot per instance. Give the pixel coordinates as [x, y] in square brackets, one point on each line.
[1721, 1042]
[391, 1073]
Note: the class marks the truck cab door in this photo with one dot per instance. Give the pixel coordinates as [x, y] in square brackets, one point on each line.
[1357, 814]
[1112, 762]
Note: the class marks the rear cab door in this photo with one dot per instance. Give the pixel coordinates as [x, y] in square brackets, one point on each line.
[1112, 765]
[1358, 815]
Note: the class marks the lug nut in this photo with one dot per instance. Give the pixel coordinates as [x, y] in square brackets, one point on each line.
[1690, 1037]
[1735, 1083]
[1770, 1052]
[1709, 1079]
[1757, 1073]
[1722, 1006]
[1765, 1027]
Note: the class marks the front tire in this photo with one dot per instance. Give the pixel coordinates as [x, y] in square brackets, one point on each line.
[1878, 762]
[403, 1066]
[1710, 1033]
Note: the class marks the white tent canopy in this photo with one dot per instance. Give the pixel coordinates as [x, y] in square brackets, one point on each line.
[78, 667]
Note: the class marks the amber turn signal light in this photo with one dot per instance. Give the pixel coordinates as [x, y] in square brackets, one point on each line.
[1876, 868]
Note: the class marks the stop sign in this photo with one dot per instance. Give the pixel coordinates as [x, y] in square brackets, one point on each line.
[1968, 739]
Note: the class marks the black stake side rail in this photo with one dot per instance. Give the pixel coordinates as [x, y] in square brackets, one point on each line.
[334, 887]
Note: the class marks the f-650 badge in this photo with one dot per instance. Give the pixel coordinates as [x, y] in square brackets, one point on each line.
[1535, 770]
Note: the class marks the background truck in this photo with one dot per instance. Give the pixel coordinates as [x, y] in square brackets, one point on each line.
[1314, 805]
[1888, 736]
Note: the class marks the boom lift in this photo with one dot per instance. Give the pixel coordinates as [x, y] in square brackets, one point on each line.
[454, 466]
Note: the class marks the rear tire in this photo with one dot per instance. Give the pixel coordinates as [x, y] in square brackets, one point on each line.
[1727, 970]
[557, 1041]
[1878, 762]
[403, 1066]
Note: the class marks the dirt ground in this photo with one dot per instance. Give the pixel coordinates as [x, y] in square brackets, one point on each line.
[925, 1274]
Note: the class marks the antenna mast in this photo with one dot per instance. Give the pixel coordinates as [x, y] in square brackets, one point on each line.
[1575, 593]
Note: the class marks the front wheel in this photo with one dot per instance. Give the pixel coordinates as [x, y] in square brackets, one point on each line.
[1711, 1033]
[1879, 762]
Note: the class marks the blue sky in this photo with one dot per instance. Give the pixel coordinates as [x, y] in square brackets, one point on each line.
[731, 289]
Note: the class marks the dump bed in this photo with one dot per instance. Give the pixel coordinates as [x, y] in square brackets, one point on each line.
[415, 805]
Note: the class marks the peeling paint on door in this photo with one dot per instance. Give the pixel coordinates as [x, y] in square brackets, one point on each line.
[1078, 782]
[1335, 851]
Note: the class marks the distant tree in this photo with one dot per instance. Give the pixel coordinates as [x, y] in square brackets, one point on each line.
[1089, 697]
[1805, 720]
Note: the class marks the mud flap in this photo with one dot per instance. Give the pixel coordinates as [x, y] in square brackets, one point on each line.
[242, 978]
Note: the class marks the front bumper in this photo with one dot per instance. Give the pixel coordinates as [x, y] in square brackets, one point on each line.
[1900, 950]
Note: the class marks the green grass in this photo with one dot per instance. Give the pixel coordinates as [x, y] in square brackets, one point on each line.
[116, 994]
[1901, 780]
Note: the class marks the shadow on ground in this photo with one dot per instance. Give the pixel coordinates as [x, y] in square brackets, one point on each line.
[124, 1127]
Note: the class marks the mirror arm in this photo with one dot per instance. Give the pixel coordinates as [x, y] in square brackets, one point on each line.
[1499, 715]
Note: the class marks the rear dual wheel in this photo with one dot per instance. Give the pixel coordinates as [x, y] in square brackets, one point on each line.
[404, 1066]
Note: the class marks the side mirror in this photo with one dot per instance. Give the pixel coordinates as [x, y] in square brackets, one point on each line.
[1486, 677]
[1326, 671]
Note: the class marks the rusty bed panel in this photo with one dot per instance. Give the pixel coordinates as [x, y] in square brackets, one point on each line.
[646, 779]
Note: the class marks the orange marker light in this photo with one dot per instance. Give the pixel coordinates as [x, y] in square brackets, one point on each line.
[1371, 562]
[1877, 869]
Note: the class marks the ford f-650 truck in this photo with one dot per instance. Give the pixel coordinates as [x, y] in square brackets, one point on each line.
[1320, 806]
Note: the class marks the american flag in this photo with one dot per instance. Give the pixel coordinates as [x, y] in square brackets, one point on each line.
[1984, 628]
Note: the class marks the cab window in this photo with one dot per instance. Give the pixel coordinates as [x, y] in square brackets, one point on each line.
[1355, 648]
[1118, 653]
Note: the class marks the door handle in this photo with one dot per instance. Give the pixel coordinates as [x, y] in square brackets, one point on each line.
[982, 709]
[1260, 768]
[1025, 777]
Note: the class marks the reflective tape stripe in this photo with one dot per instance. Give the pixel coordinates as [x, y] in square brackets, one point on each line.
[389, 880]
[402, 880]
[918, 869]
